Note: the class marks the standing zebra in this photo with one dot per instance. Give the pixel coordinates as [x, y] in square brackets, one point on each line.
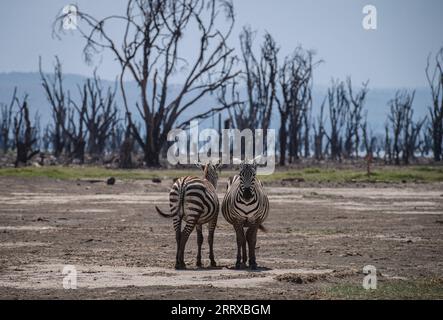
[195, 201]
[246, 205]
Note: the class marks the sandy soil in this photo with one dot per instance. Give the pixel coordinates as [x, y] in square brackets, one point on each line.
[318, 237]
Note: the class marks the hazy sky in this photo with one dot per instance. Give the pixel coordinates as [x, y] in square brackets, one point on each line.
[394, 55]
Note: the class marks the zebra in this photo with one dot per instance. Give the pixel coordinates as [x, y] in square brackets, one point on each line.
[195, 201]
[246, 205]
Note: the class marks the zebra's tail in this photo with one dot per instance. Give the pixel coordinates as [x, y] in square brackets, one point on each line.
[164, 215]
[262, 228]
[180, 207]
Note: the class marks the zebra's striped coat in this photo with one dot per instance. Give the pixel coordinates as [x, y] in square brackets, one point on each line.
[247, 213]
[246, 205]
[194, 200]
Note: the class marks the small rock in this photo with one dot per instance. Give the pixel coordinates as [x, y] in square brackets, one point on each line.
[110, 181]
[156, 180]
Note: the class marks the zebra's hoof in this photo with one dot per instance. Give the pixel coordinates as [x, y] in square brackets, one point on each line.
[180, 266]
[240, 266]
[199, 264]
[253, 266]
[213, 264]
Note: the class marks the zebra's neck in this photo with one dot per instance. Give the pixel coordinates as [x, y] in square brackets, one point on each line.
[212, 181]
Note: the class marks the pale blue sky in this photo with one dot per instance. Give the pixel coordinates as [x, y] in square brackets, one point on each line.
[392, 56]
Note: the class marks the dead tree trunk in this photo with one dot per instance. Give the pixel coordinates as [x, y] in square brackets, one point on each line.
[388, 145]
[126, 149]
[435, 80]
[6, 123]
[369, 140]
[307, 126]
[75, 131]
[354, 117]
[338, 108]
[319, 133]
[24, 134]
[57, 98]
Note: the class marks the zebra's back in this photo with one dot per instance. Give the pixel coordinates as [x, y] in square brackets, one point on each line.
[195, 199]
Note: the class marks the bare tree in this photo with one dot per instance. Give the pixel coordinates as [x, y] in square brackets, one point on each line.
[149, 51]
[338, 109]
[37, 130]
[6, 123]
[426, 140]
[229, 97]
[76, 142]
[411, 135]
[319, 132]
[46, 138]
[58, 99]
[354, 117]
[126, 148]
[24, 134]
[117, 136]
[403, 129]
[435, 80]
[295, 80]
[388, 144]
[253, 109]
[369, 139]
[98, 113]
[307, 119]
[260, 79]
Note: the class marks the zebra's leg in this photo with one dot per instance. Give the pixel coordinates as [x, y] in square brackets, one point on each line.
[212, 225]
[199, 243]
[251, 236]
[241, 247]
[183, 239]
[177, 227]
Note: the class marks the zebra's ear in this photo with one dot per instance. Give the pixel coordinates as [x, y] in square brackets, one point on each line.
[217, 165]
[199, 165]
[257, 158]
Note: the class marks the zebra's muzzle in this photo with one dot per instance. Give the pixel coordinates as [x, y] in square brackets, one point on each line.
[247, 194]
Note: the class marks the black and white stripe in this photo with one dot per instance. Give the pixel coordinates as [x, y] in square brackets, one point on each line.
[194, 201]
[246, 205]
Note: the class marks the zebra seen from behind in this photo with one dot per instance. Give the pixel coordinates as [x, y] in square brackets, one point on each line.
[194, 201]
[246, 205]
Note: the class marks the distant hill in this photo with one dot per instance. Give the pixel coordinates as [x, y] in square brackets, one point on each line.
[30, 83]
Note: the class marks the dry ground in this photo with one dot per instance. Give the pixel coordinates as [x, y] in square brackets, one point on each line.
[319, 238]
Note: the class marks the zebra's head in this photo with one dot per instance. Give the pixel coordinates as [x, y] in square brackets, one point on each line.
[247, 175]
[210, 171]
